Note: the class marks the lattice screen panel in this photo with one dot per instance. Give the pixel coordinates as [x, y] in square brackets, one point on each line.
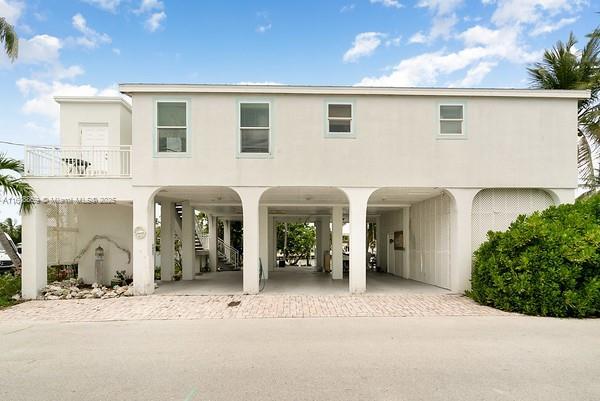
[494, 209]
[62, 234]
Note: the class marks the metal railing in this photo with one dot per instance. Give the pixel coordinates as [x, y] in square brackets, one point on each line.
[228, 252]
[78, 161]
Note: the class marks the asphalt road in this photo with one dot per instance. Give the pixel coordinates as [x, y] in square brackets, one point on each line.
[441, 358]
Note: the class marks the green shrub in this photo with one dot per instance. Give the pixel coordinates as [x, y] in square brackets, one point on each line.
[547, 264]
[9, 286]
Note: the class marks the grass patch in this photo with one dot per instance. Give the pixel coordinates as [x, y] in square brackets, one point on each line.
[9, 286]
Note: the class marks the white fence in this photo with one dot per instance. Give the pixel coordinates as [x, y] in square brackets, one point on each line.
[78, 161]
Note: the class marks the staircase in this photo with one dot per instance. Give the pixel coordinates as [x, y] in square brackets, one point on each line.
[228, 258]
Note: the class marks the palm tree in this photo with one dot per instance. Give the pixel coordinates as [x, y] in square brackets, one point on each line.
[8, 36]
[565, 67]
[16, 187]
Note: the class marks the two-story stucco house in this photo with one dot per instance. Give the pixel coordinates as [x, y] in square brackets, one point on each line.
[434, 169]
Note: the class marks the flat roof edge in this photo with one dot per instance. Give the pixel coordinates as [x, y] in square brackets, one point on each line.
[130, 88]
[93, 99]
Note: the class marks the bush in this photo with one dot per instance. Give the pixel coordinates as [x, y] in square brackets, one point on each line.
[9, 286]
[547, 264]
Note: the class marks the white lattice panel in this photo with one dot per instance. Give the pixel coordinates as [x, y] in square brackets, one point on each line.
[494, 209]
[62, 234]
[430, 241]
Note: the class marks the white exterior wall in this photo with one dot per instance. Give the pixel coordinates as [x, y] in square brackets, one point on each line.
[430, 230]
[113, 221]
[394, 135]
[391, 221]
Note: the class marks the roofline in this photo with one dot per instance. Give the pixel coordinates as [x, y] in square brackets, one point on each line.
[131, 88]
[93, 99]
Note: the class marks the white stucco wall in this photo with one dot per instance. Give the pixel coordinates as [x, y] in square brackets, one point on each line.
[391, 221]
[517, 142]
[113, 221]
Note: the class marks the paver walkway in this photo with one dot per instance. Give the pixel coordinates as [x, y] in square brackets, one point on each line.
[157, 307]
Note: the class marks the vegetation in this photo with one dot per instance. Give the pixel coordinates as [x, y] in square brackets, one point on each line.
[9, 285]
[565, 67]
[547, 264]
[296, 241]
[12, 229]
[9, 37]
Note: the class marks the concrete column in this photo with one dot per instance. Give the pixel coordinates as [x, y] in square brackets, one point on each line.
[272, 243]
[318, 251]
[34, 269]
[380, 239]
[264, 239]
[143, 240]
[274, 254]
[358, 199]
[325, 239]
[406, 229]
[188, 253]
[250, 197]
[337, 272]
[461, 248]
[561, 195]
[213, 259]
[167, 243]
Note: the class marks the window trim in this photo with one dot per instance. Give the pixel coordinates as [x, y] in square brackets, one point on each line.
[347, 135]
[188, 142]
[463, 134]
[238, 146]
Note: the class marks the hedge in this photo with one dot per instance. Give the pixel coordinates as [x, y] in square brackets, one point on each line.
[546, 264]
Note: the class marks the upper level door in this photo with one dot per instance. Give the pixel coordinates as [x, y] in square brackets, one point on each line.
[94, 153]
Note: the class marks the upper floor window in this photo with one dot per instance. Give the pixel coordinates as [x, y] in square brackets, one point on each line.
[339, 118]
[451, 119]
[172, 126]
[255, 128]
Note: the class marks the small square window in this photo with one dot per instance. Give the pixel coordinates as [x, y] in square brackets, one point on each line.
[339, 118]
[171, 126]
[451, 118]
[255, 128]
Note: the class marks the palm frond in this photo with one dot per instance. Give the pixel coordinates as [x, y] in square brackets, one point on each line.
[15, 186]
[8, 163]
[9, 37]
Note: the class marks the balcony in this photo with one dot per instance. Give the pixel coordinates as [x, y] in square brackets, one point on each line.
[78, 161]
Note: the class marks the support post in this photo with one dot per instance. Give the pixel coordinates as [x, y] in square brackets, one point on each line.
[188, 253]
[213, 258]
[250, 197]
[337, 272]
[325, 240]
[406, 229]
[167, 243]
[318, 250]
[461, 247]
[227, 232]
[358, 199]
[143, 240]
[34, 269]
[272, 243]
[264, 239]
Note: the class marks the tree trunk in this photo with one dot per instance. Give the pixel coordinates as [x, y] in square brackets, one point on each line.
[10, 250]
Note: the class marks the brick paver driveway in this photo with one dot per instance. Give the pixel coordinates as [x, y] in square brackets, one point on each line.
[158, 307]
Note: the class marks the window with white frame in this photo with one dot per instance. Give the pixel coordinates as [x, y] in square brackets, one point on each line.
[255, 128]
[171, 126]
[339, 118]
[451, 119]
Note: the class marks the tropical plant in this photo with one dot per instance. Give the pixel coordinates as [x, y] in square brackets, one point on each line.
[565, 67]
[12, 184]
[12, 229]
[9, 286]
[545, 264]
[9, 37]
[296, 240]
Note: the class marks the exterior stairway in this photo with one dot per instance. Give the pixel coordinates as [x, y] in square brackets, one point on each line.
[200, 249]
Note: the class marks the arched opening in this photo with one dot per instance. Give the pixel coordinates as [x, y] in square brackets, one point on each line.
[411, 246]
[302, 240]
[198, 246]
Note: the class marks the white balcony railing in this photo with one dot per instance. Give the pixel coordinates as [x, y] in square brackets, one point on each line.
[78, 161]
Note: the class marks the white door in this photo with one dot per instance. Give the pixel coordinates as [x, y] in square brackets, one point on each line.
[94, 143]
[391, 254]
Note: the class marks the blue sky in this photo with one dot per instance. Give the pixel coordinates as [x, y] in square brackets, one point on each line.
[87, 47]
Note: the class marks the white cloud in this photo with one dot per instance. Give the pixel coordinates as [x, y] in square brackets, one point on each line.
[443, 21]
[155, 20]
[476, 74]
[364, 45]
[542, 28]
[116, 51]
[264, 28]
[347, 8]
[11, 10]
[147, 6]
[514, 12]
[388, 3]
[90, 38]
[418, 38]
[394, 41]
[107, 5]
[40, 49]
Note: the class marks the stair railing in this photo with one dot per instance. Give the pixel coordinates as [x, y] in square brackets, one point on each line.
[229, 253]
